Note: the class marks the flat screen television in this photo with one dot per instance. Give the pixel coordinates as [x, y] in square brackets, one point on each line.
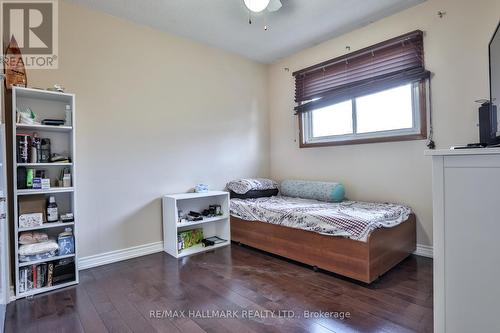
[494, 52]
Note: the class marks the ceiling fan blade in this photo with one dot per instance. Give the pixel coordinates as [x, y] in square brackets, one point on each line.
[274, 5]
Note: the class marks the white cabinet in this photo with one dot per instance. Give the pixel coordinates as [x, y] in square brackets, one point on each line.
[212, 226]
[466, 203]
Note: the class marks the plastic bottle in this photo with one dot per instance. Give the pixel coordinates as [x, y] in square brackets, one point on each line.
[67, 118]
[66, 242]
[30, 174]
[52, 211]
[35, 149]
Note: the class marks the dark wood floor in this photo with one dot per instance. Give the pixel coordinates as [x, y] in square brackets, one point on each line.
[120, 297]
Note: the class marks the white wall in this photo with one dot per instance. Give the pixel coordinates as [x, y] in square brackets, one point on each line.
[456, 51]
[156, 114]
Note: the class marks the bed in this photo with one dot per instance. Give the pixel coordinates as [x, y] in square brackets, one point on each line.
[358, 240]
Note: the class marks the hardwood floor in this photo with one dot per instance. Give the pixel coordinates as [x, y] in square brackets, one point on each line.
[121, 297]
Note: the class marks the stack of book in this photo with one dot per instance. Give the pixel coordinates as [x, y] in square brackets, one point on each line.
[46, 274]
[35, 276]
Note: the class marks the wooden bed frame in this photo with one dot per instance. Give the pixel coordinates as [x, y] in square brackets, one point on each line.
[362, 261]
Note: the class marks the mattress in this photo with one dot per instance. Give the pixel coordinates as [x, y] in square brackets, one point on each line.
[350, 219]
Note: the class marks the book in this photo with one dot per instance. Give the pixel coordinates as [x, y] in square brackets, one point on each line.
[22, 280]
[38, 276]
[43, 275]
[189, 238]
[33, 270]
[50, 273]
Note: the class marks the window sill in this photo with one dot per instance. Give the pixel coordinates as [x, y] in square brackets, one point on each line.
[407, 137]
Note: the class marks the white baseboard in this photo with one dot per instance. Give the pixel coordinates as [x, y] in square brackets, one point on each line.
[119, 255]
[424, 251]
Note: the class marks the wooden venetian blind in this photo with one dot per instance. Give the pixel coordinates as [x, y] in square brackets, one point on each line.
[394, 62]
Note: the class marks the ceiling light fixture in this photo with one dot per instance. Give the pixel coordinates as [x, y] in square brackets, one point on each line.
[256, 6]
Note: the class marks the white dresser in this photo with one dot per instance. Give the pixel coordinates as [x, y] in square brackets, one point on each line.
[466, 213]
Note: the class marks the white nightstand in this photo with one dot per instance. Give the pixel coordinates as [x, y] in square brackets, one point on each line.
[213, 226]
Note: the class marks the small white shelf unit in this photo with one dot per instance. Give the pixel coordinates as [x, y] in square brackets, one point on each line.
[212, 226]
[46, 104]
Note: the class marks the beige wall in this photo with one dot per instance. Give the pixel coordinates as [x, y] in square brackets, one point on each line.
[146, 127]
[156, 114]
[455, 51]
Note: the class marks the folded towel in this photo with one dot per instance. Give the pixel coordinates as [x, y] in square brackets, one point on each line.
[40, 236]
[26, 238]
[38, 248]
[32, 237]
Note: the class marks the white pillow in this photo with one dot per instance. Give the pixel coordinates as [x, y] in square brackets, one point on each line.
[242, 186]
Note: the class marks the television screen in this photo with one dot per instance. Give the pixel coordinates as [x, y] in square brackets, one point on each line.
[495, 73]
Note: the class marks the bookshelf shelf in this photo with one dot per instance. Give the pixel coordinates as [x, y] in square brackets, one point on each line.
[45, 289]
[47, 105]
[48, 226]
[199, 249]
[35, 165]
[48, 191]
[213, 226]
[205, 220]
[29, 263]
[49, 128]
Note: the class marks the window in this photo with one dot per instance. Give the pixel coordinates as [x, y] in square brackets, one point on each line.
[374, 94]
[332, 120]
[391, 114]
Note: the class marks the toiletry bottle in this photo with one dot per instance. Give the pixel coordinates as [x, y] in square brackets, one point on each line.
[35, 149]
[30, 174]
[23, 148]
[66, 178]
[67, 118]
[66, 242]
[52, 211]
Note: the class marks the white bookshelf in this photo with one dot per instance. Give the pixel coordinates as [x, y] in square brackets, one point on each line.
[46, 104]
[212, 226]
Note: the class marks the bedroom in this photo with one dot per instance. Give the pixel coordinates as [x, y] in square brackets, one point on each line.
[165, 100]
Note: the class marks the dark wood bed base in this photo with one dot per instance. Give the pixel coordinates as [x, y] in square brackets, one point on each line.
[362, 261]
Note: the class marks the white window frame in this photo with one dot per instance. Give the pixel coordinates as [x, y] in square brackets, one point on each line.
[416, 129]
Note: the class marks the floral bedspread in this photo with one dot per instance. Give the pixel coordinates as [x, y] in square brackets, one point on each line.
[351, 219]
